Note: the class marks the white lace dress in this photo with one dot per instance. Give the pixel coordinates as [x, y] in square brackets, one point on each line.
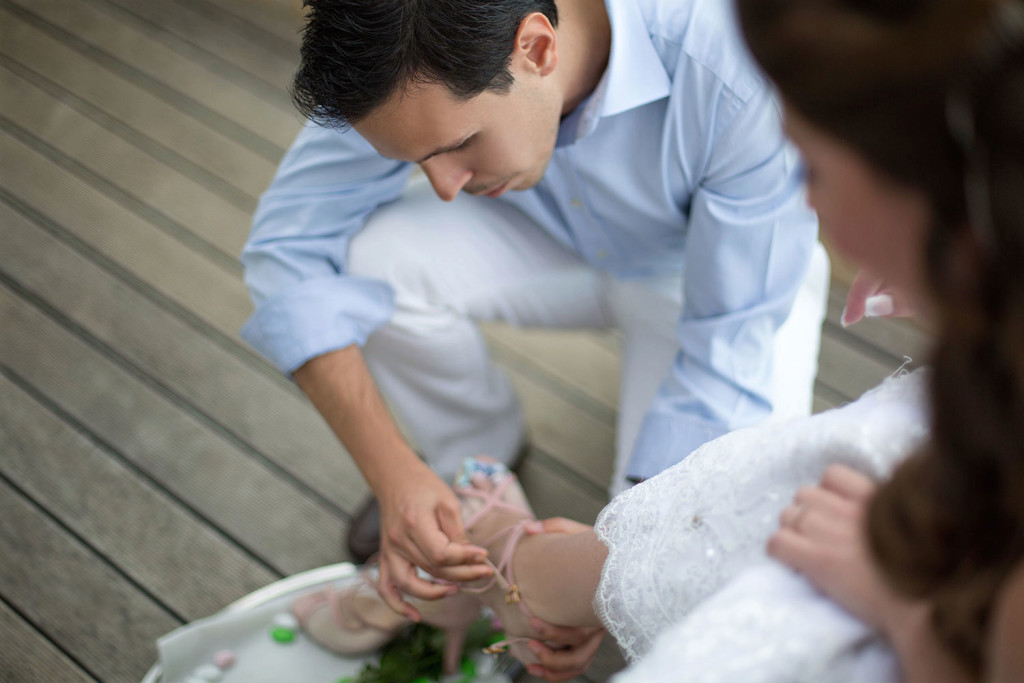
[687, 589]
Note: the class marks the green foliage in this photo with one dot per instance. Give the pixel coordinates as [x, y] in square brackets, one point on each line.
[416, 656]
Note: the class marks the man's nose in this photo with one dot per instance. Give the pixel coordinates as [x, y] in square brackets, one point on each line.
[446, 177]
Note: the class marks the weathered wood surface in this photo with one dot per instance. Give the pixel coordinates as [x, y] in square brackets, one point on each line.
[153, 467]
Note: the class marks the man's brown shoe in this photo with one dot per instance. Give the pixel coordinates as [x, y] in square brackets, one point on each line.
[364, 533]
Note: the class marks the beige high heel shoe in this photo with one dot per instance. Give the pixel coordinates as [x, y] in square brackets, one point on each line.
[355, 620]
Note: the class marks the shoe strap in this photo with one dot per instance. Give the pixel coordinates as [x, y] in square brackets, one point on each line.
[505, 570]
[492, 499]
[502, 646]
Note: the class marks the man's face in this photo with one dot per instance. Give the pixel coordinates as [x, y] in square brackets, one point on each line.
[486, 145]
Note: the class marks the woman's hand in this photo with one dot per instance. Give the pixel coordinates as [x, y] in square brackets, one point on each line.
[871, 297]
[822, 536]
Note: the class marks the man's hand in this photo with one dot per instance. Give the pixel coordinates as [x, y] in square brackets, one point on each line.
[870, 297]
[421, 519]
[421, 526]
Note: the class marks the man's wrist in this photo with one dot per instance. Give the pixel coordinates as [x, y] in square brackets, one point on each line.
[390, 466]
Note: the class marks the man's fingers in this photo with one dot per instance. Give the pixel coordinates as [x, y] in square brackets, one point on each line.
[848, 483]
[431, 549]
[436, 550]
[403, 578]
[438, 540]
[449, 520]
[390, 593]
[465, 572]
[427, 546]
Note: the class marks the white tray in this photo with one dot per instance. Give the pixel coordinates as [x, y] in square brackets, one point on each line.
[260, 600]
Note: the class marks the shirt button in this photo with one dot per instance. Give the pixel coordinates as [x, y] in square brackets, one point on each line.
[577, 203]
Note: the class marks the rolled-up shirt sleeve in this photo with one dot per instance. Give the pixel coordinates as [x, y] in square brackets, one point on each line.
[748, 248]
[306, 304]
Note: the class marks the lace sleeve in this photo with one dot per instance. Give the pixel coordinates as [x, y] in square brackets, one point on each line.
[680, 536]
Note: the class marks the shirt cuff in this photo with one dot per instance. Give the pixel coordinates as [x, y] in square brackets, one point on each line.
[666, 439]
[317, 316]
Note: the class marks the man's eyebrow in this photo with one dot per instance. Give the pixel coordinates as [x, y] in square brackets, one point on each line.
[445, 149]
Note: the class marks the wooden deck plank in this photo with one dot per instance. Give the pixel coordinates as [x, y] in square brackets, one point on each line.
[255, 404]
[576, 439]
[103, 621]
[130, 145]
[280, 18]
[205, 289]
[577, 358]
[220, 299]
[820, 404]
[556, 496]
[88, 491]
[177, 201]
[150, 64]
[26, 656]
[850, 371]
[229, 128]
[589, 362]
[894, 338]
[268, 514]
[125, 102]
[538, 359]
[552, 494]
[266, 73]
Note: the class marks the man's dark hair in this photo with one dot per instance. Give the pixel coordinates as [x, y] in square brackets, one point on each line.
[357, 53]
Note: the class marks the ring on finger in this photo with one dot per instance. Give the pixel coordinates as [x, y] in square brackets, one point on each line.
[798, 513]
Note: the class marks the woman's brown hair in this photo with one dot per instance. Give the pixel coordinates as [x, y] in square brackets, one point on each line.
[931, 93]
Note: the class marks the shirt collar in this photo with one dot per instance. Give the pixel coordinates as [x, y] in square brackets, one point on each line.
[635, 74]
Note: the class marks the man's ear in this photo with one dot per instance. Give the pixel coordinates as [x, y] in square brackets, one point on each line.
[536, 47]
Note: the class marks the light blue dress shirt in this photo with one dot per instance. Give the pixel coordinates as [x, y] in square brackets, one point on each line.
[677, 161]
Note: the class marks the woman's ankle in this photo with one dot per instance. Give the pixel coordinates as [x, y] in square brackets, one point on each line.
[557, 576]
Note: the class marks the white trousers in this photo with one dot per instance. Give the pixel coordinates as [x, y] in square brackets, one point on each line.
[452, 264]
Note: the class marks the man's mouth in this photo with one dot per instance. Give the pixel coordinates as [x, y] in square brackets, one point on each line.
[499, 190]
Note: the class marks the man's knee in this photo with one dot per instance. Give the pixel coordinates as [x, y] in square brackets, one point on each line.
[386, 246]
